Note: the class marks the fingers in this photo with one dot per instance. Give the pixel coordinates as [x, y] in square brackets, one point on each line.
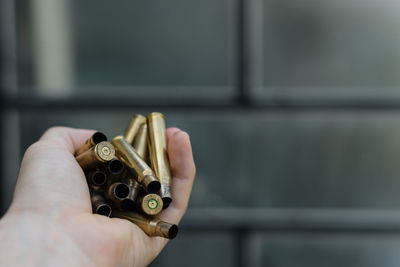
[68, 138]
[181, 157]
[50, 172]
[179, 152]
[183, 171]
[170, 132]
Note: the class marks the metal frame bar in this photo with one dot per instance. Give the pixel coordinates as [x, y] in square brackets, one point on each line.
[8, 72]
[243, 97]
[87, 103]
[9, 75]
[293, 220]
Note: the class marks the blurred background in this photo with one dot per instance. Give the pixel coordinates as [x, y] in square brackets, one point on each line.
[293, 108]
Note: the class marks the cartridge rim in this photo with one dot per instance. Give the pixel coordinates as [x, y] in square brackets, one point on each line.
[141, 119]
[115, 166]
[130, 132]
[121, 190]
[153, 186]
[98, 137]
[173, 231]
[104, 209]
[155, 114]
[152, 204]
[105, 151]
[166, 202]
[99, 178]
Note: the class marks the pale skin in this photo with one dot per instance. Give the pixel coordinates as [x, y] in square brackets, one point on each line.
[50, 220]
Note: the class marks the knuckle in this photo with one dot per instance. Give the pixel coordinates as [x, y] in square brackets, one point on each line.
[33, 148]
[173, 129]
[54, 130]
[183, 134]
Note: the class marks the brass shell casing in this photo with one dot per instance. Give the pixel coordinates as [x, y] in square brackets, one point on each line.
[140, 142]
[115, 166]
[114, 169]
[96, 138]
[117, 192]
[159, 154]
[129, 203]
[134, 188]
[96, 178]
[100, 153]
[150, 204]
[99, 206]
[133, 127]
[151, 226]
[145, 175]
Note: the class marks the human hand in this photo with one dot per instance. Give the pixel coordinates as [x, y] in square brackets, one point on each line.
[50, 220]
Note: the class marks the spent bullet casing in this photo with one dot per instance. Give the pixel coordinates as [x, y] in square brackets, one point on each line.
[96, 179]
[140, 142]
[130, 177]
[114, 169]
[98, 154]
[144, 174]
[134, 187]
[133, 127]
[99, 206]
[96, 138]
[117, 192]
[129, 203]
[151, 226]
[150, 204]
[159, 154]
[115, 166]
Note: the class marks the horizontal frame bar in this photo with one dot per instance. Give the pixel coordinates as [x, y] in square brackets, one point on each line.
[303, 220]
[112, 103]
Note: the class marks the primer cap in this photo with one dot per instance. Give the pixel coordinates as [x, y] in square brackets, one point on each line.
[152, 204]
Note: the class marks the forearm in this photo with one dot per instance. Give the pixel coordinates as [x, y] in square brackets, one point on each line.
[30, 240]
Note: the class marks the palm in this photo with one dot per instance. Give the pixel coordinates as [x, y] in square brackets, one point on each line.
[51, 181]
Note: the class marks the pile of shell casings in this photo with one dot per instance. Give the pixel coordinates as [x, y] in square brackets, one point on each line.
[130, 176]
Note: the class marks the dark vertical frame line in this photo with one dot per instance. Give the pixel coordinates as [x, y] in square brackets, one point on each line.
[242, 95]
[9, 78]
[8, 48]
[240, 237]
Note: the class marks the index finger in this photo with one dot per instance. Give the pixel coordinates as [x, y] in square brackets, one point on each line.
[70, 139]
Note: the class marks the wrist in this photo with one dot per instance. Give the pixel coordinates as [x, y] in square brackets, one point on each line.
[29, 239]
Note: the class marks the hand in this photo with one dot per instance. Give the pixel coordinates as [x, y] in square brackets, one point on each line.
[50, 220]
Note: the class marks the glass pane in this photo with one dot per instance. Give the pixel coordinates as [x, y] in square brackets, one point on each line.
[198, 250]
[273, 159]
[311, 43]
[298, 250]
[133, 47]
